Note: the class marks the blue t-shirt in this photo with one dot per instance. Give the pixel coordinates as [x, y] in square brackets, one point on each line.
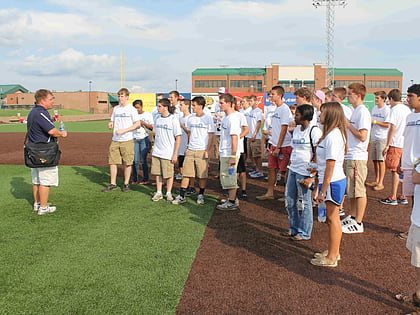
[39, 123]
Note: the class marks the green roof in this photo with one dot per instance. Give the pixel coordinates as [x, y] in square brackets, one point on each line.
[229, 71]
[368, 72]
[113, 98]
[11, 88]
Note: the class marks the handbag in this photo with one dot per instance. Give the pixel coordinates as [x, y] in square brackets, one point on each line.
[40, 154]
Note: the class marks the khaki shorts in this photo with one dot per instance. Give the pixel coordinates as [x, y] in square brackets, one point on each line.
[393, 159]
[356, 173]
[162, 167]
[195, 165]
[413, 244]
[45, 176]
[121, 152]
[216, 147]
[376, 149]
[228, 181]
[254, 148]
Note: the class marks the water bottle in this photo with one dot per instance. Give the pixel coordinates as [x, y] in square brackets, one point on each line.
[322, 212]
[62, 128]
[231, 170]
[402, 176]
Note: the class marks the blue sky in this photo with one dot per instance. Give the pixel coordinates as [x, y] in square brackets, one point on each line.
[62, 45]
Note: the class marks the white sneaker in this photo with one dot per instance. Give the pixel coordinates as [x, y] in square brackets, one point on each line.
[36, 206]
[178, 176]
[158, 196]
[347, 220]
[178, 200]
[46, 210]
[353, 228]
[169, 197]
[200, 199]
[342, 212]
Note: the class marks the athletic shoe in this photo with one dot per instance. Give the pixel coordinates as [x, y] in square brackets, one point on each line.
[353, 228]
[46, 210]
[36, 206]
[125, 188]
[190, 191]
[178, 176]
[110, 188]
[169, 197]
[402, 235]
[402, 200]
[322, 262]
[325, 254]
[257, 175]
[178, 200]
[341, 212]
[389, 201]
[252, 172]
[242, 195]
[158, 196]
[347, 220]
[200, 199]
[227, 206]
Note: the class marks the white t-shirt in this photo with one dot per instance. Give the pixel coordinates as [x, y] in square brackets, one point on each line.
[269, 110]
[254, 116]
[155, 114]
[166, 128]
[415, 214]
[348, 111]
[199, 128]
[231, 125]
[360, 119]
[397, 117]
[184, 136]
[142, 132]
[412, 129]
[381, 115]
[244, 123]
[124, 117]
[331, 148]
[282, 116]
[302, 149]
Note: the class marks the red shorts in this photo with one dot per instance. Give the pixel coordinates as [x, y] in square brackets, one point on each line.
[282, 160]
[393, 159]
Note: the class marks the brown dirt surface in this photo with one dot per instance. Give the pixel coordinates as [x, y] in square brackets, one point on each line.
[245, 266]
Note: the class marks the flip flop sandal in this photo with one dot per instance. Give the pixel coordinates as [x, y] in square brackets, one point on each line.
[411, 299]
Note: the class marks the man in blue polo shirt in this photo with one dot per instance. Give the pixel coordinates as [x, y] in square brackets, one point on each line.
[41, 129]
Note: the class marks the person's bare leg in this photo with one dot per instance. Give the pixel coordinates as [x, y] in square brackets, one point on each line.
[242, 180]
[232, 194]
[272, 173]
[127, 174]
[113, 172]
[360, 208]
[258, 164]
[202, 182]
[44, 192]
[35, 191]
[334, 231]
[381, 165]
[169, 184]
[159, 183]
[377, 171]
[185, 181]
[394, 187]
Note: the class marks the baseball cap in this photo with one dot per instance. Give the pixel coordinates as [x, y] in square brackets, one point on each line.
[222, 90]
[320, 95]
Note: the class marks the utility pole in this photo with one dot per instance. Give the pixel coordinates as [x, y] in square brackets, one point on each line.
[330, 23]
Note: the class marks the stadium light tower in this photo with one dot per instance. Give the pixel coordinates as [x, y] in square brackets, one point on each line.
[330, 4]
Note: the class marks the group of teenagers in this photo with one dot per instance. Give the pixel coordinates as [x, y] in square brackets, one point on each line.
[321, 151]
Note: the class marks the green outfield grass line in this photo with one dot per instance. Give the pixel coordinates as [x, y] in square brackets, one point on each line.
[71, 126]
[24, 112]
[99, 253]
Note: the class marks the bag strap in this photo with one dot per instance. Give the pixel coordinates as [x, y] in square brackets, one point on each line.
[312, 144]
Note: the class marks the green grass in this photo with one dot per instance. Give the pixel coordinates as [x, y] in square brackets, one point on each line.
[25, 112]
[71, 126]
[99, 253]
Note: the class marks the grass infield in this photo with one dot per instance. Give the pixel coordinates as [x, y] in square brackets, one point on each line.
[71, 126]
[113, 253]
[25, 112]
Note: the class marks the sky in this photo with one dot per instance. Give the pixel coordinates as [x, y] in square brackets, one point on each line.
[63, 45]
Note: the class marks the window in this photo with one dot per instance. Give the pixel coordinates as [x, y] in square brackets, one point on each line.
[383, 84]
[210, 83]
[256, 84]
[346, 83]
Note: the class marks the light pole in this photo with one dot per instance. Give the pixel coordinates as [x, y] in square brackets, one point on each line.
[90, 89]
[176, 84]
[412, 82]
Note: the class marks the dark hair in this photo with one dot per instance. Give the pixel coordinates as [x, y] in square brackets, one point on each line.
[306, 111]
[186, 101]
[199, 100]
[381, 94]
[138, 102]
[415, 88]
[253, 97]
[395, 94]
[165, 102]
[41, 94]
[279, 89]
[228, 98]
[176, 93]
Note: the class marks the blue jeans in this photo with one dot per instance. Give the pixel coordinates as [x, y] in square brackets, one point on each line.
[141, 149]
[299, 206]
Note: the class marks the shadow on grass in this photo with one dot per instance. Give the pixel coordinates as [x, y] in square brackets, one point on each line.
[21, 189]
[95, 174]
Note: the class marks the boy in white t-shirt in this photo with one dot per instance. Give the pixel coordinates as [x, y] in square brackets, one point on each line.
[184, 114]
[394, 145]
[378, 135]
[355, 161]
[254, 145]
[124, 121]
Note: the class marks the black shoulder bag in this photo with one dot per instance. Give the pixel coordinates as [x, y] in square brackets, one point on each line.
[40, 154]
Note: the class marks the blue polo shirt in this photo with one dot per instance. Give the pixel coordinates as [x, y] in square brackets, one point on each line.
[39, 123]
